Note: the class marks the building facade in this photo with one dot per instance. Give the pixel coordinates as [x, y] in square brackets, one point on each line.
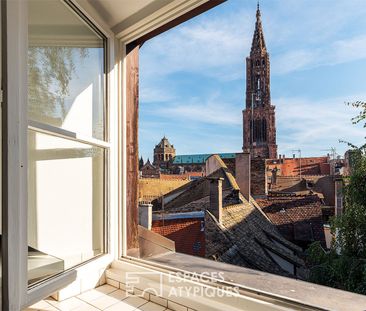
[259, 129]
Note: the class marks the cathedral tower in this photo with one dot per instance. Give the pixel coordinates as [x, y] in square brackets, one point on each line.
[259, 129]
[163, 153]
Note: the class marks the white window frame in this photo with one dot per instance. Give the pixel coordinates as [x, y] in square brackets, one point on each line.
[16, 293]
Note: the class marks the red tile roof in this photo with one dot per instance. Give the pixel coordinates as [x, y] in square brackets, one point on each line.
[186, 233]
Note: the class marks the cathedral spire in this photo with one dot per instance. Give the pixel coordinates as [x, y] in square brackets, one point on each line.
[259, 137]
[258, 43]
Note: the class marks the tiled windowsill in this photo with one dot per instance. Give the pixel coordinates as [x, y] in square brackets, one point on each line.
[258, 290]
[106, 297]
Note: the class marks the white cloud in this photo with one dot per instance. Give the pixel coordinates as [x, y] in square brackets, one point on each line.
[337, 52]
[315, 126]
[212, 110]
[301, 34]
[205, 47]
[295, 60]
[151, 94]
[214, 126]
[349, 50]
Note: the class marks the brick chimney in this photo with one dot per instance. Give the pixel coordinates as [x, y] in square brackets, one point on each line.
[242, 173]
[216, 197]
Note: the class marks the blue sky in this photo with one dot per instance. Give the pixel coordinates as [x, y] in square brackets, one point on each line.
[192, 78]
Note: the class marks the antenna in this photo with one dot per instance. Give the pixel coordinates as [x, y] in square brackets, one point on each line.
[332, 150]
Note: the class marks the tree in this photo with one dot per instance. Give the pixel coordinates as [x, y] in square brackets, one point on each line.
[344, 266]
[141, 163]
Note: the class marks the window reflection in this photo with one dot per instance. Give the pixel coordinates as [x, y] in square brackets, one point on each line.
[65, 70]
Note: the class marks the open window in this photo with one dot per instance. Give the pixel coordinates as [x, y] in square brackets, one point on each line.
[67, 139]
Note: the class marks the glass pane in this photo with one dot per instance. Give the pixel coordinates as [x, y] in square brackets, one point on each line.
[65, 70]
[65, 204]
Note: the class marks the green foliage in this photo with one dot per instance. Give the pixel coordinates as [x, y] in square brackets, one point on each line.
[338, 271]
[362, 114]
[351, 226]
[344, 265]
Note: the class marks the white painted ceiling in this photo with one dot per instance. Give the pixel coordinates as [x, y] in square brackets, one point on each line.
[116, 11]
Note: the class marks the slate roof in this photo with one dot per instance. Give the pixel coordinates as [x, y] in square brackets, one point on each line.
[297, 217]
[245, 237]
[164, 143]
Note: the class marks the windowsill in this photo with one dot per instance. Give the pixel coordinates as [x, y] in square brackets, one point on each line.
[257, 285]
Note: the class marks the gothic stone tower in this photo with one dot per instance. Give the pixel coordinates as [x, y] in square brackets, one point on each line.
[259, 135]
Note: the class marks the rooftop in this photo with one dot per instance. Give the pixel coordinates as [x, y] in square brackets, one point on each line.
[164, 143]
[245, 236]
[297, 217]
[199, 158]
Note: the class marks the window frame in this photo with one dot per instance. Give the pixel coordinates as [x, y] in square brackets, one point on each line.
[104, 143]
[16, 294]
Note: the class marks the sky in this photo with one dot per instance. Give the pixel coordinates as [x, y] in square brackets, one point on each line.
[192, 77]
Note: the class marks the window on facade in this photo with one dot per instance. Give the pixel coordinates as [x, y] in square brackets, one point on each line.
[259, 130]
[67, 151]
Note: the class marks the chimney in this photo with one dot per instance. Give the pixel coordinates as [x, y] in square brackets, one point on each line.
[145, 215]
[216, 197]
[242, 173]
[280, 157]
